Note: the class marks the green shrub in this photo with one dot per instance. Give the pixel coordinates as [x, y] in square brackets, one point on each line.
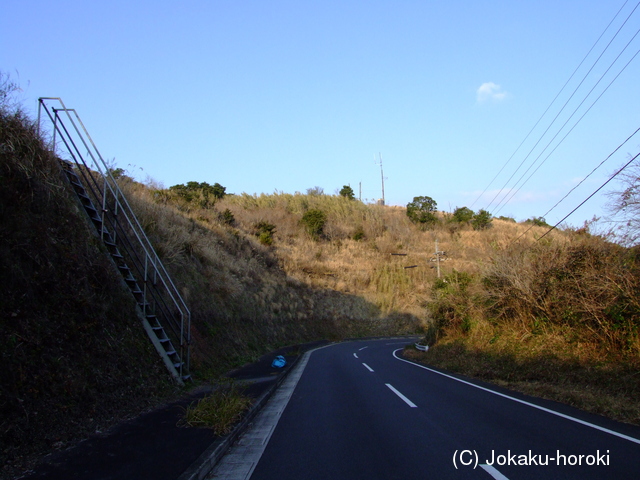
[227, 218]
[203, 194]
[265, 231]
[432, 334]
[462, 215]
[359, 233]
[314, 221]
[538, 222]
[451, 307]
[481, 220]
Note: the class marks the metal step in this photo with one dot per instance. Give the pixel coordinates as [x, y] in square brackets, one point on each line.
[90, 179]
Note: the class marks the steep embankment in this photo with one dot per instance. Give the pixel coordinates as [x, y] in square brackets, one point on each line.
[242, 300]
[74, 356]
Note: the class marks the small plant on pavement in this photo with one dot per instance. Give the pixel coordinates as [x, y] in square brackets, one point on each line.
[218, 411]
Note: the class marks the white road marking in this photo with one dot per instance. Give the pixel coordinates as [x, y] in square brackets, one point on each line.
[363, 348]
[367, 367]
[407, 401]
[493, 472]
[355, 355]
[529, 404]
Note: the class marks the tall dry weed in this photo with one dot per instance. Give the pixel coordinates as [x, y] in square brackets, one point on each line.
[588, 287]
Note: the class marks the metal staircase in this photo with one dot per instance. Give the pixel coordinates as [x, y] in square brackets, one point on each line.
[163, 312]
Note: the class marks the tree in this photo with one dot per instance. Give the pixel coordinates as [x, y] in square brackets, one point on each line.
[624, 205]
[315, 191]
[422, 210]
[462, 215]
[481, 220]
[347, 192]
[218, 191]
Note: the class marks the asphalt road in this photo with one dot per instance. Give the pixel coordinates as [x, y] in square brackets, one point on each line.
[360, 412]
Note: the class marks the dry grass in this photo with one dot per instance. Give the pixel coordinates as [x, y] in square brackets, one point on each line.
[219, 411]
[558, 319]
[243, 295]
[371, 258]
[368, 264]
[548, 366]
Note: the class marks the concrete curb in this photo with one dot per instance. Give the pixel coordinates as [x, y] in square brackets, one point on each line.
[207, 461]
[212, 455]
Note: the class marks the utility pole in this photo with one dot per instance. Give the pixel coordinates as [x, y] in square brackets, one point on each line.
[360, 191]
[381, 177]
[438, 254]
[437, 258]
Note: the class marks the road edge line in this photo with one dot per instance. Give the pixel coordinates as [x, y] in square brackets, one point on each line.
[529, 404]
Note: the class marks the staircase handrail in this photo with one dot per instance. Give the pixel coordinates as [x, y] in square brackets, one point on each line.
[110, 183]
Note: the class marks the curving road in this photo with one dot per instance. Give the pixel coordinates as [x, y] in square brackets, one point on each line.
[356, 410]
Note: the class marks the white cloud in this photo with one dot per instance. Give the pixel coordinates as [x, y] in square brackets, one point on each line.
[490, 91]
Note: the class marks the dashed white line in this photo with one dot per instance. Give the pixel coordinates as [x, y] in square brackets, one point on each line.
[493, 472]
[355, 355]
[407, 401]
[367, 367]
[363, 348]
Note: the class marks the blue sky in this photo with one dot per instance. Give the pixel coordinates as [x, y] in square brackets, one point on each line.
[286, 95]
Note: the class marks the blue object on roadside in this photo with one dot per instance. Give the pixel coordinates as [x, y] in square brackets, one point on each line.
[279, 362]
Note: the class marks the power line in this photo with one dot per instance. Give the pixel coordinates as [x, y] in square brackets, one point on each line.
[565, 104]
[581, 182]
[506, 200]
[591, 173]
[589, 197]
[552, 102]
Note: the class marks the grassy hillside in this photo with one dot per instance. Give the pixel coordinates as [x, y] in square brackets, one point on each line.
[243, 297]
[75, 356]
[557, 317]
